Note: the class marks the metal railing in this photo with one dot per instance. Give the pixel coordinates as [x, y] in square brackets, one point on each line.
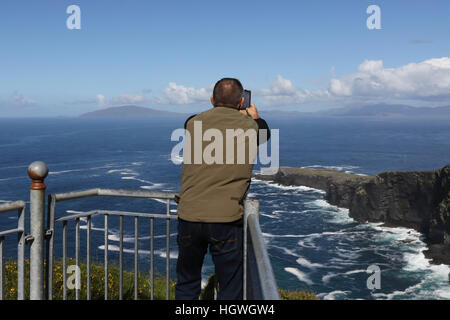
[54, 198]
[259, 280]
[20, 231]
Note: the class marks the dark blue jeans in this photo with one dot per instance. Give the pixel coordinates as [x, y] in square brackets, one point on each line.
[225, 245]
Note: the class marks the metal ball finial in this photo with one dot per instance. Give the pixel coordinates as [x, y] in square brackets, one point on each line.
[38, 171]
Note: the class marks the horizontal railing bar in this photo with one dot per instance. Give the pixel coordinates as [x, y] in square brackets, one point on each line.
[11, 231]
[138, 214]
[116, 213]
[267, 278]
[137, 193]
[75, 195]
[10, 206]
[114, 193]
[75, 216]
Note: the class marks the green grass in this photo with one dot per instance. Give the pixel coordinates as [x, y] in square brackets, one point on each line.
[97, 284]
[297, 295]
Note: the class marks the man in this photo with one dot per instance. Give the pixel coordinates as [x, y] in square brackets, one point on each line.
[210, 210]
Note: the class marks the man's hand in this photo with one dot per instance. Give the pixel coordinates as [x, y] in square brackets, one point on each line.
[251, 111]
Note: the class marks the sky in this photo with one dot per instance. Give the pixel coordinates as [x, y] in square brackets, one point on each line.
[293, 55]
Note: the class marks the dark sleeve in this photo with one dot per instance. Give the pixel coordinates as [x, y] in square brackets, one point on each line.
[185, 123]
[262, 124]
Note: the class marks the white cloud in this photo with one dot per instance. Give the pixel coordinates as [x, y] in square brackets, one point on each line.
[282, 91]
[125, 98]
[424, 81]
[179, 94]
[17, 99]
[427, 80]
[100, 99]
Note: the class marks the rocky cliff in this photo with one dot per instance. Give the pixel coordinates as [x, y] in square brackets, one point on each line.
[417, 199]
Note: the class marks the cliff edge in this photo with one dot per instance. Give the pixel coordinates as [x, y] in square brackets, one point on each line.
[416, 199]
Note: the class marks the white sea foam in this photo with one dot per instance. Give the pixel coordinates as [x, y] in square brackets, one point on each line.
[271, 216]
[326, 278]
[337, 294]
[337, 215]
[300, 275]
[286, 250]
[112, 247]
[269, 235]
[123, 171]
[115, 236]
[160, 253]
[107, 166]
[320, 203]
[308, 264]
[345, 168]
[283, 187]
[65, 171]
[152, 187]
[398, 234]
[163, 254]
[433, 277]
[159, 200]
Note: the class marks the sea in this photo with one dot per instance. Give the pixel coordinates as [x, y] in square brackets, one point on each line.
[312, 245]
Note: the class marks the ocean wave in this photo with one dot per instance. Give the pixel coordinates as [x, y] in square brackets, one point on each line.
[433, 278]
[163, 254]
[322, 204]
[286, 251]
[337, 294]
[336, 214]
[13, 178]
[283, 187]
[152, 187]
[115, 248]
[398, 234]
[107, 166]
[123, 171]
[268, 215]
[269, 235]
[326, 278]
[160, 253]
[300, 275]
[346, 168]
[66, 171]
[308, 264]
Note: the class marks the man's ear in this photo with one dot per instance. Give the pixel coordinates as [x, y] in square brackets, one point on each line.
[241, 104]
[212, 99]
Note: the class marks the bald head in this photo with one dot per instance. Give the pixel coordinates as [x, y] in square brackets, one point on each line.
[228, 92]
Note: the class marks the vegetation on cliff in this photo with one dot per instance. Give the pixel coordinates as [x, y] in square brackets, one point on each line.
[97, 276]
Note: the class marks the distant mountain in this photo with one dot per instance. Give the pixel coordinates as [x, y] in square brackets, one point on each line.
[131, 112]
[375, 111]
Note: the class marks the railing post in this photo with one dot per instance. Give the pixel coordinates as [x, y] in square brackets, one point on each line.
[251, 206]
[37, 171]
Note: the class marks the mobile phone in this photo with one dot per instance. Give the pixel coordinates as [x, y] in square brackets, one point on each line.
[247, 99]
